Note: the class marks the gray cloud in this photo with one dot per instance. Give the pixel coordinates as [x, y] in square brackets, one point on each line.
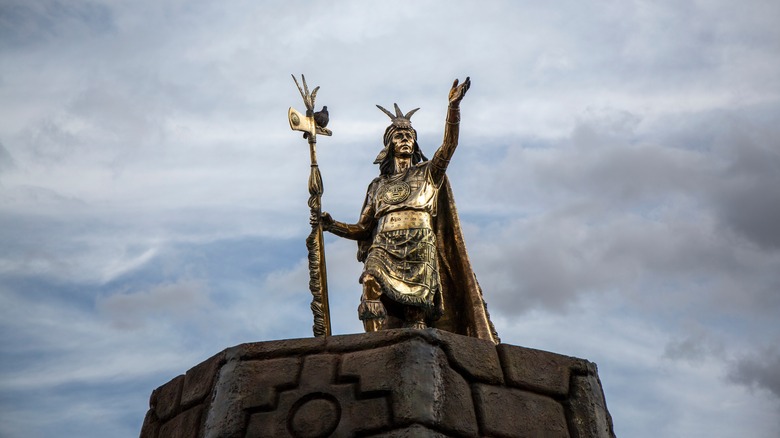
[748, 193]
[614, 211]
[129, 310]
[695, 346]
[761, 371]
[6, 160]
[24, 24]
[615, 220]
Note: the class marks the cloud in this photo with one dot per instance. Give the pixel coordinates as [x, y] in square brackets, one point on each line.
[748, 193]
[696, 345]
[57, 341]
[758, 371]
[128, 310]
[23, 24]
[611, 209]
[6, 160]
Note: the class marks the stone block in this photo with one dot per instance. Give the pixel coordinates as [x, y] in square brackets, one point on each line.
[247, 385]
[332, 412]
[200, 379]
[321, 405]
[413, 431]
[367, 415]
[477, 358]
[457, 412]
[270, 350]
[537, 370]
[424, 389]
[371, 368]
[367, 341]
[185, 425]
[588, 414]
[168, 398]
[150, 426]
[394, 383]
[508, 412]
[260, 381]
[319, 371]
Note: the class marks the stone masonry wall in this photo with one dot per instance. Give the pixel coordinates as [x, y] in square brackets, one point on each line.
[394, 383]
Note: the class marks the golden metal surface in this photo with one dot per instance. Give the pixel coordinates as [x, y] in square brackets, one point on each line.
[416, 269]
[318, 278]
[404, 220]
[299, 122]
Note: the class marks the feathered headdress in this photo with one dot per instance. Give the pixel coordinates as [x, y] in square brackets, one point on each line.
[399, 121]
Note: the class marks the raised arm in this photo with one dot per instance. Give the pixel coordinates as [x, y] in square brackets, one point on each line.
[441, 159]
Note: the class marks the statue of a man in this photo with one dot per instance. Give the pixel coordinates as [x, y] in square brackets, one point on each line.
[416, 273]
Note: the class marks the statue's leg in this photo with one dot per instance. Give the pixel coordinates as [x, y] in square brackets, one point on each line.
[414, 317]
[371, 310]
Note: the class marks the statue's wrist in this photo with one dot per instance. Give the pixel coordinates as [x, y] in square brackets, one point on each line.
[337, 227]
[326, 223]
[453, 115]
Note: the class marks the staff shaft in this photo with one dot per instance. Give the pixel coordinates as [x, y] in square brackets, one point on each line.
[318, 278]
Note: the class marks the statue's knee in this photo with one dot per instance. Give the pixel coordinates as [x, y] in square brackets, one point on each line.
[371, 310]
[371, 288]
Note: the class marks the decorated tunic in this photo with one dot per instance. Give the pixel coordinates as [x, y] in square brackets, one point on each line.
[402, 256]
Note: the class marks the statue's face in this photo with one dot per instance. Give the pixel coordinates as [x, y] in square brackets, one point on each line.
[403, 142]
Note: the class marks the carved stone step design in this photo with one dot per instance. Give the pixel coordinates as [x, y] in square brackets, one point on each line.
[393, 383]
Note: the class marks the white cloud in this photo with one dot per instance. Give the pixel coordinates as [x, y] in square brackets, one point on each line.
[128, 310]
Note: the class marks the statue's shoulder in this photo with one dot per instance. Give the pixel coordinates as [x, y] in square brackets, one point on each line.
[374, 184]
[422, 165]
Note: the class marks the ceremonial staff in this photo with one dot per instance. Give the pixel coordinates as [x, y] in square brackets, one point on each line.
[318, 279]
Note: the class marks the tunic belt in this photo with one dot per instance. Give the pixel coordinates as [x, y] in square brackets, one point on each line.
[404, 220]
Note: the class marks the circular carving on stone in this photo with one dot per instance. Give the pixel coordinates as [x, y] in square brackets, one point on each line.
[396, 193]
[314, 416]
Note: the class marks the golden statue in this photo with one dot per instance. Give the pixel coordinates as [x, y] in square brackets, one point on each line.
[416, 270]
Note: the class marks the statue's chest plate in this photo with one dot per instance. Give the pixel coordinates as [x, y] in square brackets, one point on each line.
[395, 193]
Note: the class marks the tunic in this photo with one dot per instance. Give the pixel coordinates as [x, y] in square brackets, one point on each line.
[402, 256]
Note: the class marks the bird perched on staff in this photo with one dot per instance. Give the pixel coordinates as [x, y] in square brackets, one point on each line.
[320, 119]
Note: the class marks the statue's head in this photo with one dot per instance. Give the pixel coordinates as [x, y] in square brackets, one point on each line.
[403, 141]
[400, 139]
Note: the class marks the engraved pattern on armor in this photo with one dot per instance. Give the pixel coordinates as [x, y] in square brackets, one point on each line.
[396, 193]
[405, 220]
[406, 261]
[422, 192]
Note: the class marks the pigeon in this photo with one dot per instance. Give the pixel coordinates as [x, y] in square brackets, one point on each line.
[320, 119]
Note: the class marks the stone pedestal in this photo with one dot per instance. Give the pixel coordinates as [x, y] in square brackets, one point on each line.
[394, 383]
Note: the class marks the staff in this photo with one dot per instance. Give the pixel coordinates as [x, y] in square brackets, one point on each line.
[318, 279]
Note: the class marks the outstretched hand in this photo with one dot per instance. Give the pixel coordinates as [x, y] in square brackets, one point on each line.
[458, 91]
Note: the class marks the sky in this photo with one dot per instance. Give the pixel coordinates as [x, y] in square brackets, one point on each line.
[617, 179]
